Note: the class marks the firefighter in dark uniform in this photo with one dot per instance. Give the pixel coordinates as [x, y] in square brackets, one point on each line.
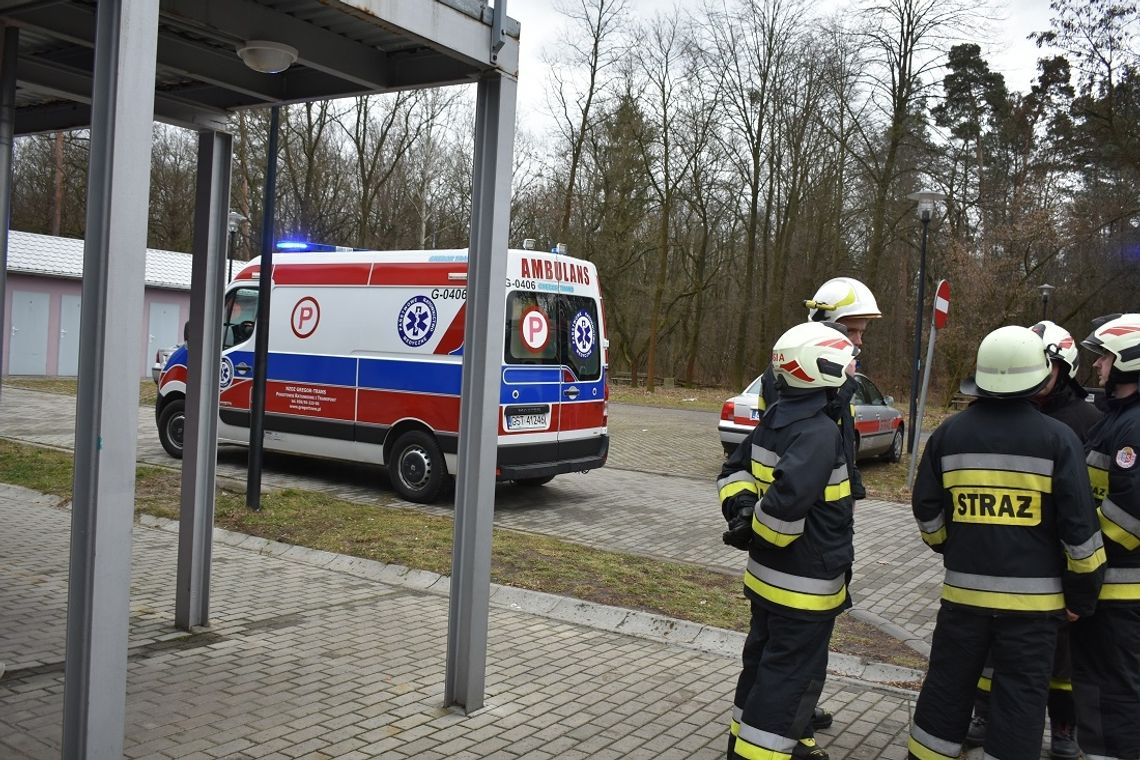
[850, 305]
[787, 500]
[1063, 399]
[1106, 646]
[1000, 494]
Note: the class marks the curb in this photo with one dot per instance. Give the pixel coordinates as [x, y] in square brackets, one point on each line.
[703, 638]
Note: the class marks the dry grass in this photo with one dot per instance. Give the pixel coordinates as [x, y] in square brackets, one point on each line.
[66, 386]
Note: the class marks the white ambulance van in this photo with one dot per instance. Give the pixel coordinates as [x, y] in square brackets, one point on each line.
[365, 358]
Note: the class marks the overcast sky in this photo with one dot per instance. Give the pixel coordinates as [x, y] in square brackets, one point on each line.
[1009, 53]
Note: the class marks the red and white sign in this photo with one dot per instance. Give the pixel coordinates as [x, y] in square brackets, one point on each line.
[941, 304]
[535, 329]
[306, 317]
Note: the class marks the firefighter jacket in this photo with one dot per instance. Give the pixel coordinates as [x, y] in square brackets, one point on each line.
[793, 473]
[1000, 496]
[1113, 448]
[1067, 403]
[840, 408]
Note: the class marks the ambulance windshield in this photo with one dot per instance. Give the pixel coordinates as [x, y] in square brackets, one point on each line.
[240, 316]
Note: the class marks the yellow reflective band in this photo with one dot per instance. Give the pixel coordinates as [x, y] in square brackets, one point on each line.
[752, 752]
[837, 492]
[795, 599]
[772, 536]
[935, 538]
[734, 727]
[1099, 480]
[1088, 564]
[1116, 533]
[736, 487]
[984, 684]
[1057, 684]
[998, 479]
[998, 600]
[761, 404]
[763, 473]
[923, 752]
[995, 506]
[1120, 592]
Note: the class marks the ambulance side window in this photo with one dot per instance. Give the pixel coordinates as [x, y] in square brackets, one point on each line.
[532, 324]
[240, 316]
[581, 340]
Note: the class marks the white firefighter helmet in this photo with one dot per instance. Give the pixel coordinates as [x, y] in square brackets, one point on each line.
[1119, 336]
[1012, 363]
[1059, 344]
[842, 297]
[812, 355]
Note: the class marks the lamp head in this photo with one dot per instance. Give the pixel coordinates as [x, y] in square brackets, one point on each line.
[926, 200]
[1046, 290]
[266, 56]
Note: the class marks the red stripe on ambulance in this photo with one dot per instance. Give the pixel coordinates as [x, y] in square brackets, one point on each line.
[321, 274]
[418, 274]
[441, 413]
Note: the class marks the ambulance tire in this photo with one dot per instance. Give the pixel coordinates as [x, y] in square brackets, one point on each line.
[535, 482]
[416, 467]
[171, 424]
[894, 453]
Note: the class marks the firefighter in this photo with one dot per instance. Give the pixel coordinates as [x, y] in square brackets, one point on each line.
[999, 486]
[787, 500]
[1063, 399]
[850, 305]
[1106, 646]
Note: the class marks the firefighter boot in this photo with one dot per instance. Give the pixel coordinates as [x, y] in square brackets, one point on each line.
[821, 718]
[976, 733]
[1063, 745]
[807, 749]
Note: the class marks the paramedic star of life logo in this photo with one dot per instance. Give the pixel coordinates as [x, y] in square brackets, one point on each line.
[417, 321]
[226, 373]
[582, 334]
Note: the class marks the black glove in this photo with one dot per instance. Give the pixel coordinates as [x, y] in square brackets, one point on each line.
[739, 533]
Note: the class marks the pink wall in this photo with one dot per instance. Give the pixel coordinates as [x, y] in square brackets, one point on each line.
[56, 288]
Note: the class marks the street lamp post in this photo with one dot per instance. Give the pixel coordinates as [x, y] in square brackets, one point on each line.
[1046, 291]
[233, 223]
[925, 201]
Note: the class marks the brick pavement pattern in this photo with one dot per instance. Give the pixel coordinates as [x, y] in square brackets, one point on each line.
[654, 497]
[302, 661]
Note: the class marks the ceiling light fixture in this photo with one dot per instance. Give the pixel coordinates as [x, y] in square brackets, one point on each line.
[266, 56]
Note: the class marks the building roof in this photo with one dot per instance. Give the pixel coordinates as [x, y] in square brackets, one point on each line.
[50, 256]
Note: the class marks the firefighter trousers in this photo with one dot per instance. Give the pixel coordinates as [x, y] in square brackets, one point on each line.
[1106, 682]
[1062, 709]
[1021, 648]
[785, 664]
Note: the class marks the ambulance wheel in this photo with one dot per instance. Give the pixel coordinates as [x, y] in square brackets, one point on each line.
[171, 424]
[534, 482]
[894, 453]
[416, 467]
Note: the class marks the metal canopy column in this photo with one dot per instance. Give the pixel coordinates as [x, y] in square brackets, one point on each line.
[200, 437]
[10, 47]
[479, 405]
[107, 407]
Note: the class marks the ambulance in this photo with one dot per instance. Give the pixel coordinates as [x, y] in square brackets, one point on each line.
[365, 360]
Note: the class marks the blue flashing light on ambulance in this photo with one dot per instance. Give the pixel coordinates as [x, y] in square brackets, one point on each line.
[365, 362]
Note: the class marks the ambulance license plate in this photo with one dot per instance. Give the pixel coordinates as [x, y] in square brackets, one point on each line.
[526, 422]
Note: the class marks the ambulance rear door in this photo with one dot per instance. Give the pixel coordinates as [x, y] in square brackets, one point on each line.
[582, 395]
[532, 377]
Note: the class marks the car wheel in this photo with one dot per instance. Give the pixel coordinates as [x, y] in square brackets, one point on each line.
[535, 482]
[895, 452]
[416, 467]
[171, 424]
